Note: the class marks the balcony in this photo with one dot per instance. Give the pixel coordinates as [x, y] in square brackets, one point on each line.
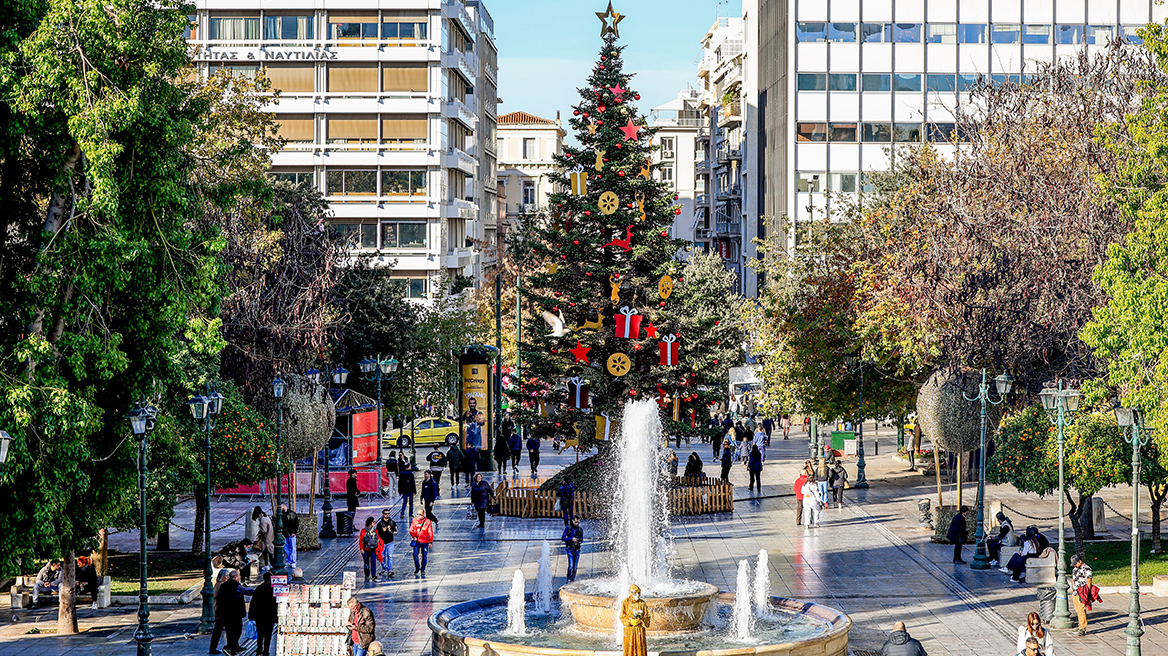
[727, 193]
[728, 228]
[701, 200]
[460, 209]
[455, 158]
[458, 258]
[464, 62]
[702, 167]
[734, 153]
[454, 10]
[456, 109]
[730, 114]
[703, 135]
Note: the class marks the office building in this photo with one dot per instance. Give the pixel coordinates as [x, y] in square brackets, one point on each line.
[677, 123]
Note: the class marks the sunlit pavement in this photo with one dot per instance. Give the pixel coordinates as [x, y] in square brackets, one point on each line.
[868, 559]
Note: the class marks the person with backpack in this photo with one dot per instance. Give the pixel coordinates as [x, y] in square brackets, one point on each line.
[370, 544]
[437, 461]
[422, 532]
[386, 530]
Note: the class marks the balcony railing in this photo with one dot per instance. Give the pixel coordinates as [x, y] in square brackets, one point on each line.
[730, 112]
[728, 228]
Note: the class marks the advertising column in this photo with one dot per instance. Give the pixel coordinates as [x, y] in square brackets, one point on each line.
[476, 403]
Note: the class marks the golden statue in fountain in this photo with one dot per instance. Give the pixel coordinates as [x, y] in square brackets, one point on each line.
[636, 618]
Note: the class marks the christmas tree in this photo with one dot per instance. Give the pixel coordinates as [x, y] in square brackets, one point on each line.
[612, 313]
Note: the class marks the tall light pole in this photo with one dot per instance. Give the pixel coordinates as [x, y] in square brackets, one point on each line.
[142, 419]
[278, 565]
[856, 361]
[340, 376]
[1134, 419]
[206, 408]
[1060, 405]
[378, 370]
[981, 559]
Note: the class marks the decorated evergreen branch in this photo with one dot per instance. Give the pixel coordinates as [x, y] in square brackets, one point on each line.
[611, 314]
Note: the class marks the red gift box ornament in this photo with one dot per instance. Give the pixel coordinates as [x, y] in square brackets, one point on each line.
[628, 323]
[669, 350]
[578, 394]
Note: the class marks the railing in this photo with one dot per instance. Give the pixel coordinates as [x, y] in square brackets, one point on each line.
[731, 111]
[732, 228]
[523, 498]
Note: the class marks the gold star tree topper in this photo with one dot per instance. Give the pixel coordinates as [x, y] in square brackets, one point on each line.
[605, 25]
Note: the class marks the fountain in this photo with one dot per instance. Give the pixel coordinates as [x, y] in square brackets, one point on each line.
[688, 616]
[543, 580]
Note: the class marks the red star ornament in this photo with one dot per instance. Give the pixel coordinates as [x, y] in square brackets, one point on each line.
[617, 90]
[580, 352]
[631, 130]
[651, 330]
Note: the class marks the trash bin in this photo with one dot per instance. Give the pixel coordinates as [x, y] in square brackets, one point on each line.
[1046, 595]
[345, 523]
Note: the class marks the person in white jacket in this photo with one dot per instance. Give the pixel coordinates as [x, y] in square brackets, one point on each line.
[1033, 629]
[812, 504]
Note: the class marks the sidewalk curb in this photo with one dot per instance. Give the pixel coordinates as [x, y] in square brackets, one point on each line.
[1123, 589]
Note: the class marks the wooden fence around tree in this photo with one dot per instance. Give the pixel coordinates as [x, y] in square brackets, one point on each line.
[523, 498]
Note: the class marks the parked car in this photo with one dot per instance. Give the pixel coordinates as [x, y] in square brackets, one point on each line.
[427, 430]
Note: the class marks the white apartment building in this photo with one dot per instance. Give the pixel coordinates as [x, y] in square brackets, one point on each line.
[677, 157]
[527, 147]
[843, 80]
[388, 108]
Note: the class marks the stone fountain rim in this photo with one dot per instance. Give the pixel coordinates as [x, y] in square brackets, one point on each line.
[707, 590]
[839, 624]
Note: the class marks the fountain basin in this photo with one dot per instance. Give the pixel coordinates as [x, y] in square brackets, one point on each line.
[671, 614]
[830, 638]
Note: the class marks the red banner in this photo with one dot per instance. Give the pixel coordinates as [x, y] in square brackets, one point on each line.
[365, 437]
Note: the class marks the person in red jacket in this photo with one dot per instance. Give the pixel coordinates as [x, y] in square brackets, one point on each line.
[799, 493]
[422, 530]
[371, 546]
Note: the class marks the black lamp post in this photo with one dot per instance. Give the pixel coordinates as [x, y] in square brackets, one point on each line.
[981, 559]
[142, 420]
[1132, 418]
[206, 408]
[1060, 406]
[278, 565]
[340, 376]
[855, 361]
[378, 370]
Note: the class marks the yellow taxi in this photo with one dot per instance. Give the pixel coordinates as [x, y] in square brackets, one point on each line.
[427, 430]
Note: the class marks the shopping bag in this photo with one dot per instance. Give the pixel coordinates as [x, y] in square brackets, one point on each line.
[250, 631]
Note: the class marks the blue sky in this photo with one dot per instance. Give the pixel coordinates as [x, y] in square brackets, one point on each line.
[547, 48]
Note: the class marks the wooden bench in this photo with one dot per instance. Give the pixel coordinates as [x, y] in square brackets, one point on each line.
[1040, 570]
[22, 589]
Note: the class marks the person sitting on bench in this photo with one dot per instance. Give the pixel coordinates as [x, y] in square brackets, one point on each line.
[48, 580]
[86, 576]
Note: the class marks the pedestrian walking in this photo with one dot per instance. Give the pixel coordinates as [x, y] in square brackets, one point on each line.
[515, 446]
[807, 424]
[812, 503]
[838, 480]
[263, 613]
[754, 467]
[437, 461]
[351, 491]
[1032, 648]
[454, 457]
[800, 481]
[533, 453]
[785, 424]
[823, 482]
[768, 426]
[471, 463]
[232, 610]
[727, 460]
[481, 493]
[407, 487]
[760, 442]
[265, 542]
[290, 523]
[958, 534]
[1033, 629]
[573, 538]
[422, 532]
[386, 530]
[502, 454]
[567, 497]
[900, 643]
[429, 495]
[1083, 591]
[362, 627]
[370, 544]
[220, 620]
[391, 469]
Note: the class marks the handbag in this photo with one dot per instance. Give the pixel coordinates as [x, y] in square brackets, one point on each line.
[470, 512]
[413, 543]
[250, 630]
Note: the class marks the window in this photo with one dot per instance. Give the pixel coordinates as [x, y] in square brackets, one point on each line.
[292, 78]
[1100, 35]
[667, 146]
[425, 425]
[294, 177]
[351, 182]
[811, 132]
[942, 132]
[242, 72]
[1036, 34]
[971, 33]
[966, 82]
[877, 133]
[906, 82]
[403, 183]
[192, 30]
[528, 192]
[876, 82]
[352, 129]
[842, 182]
[403, 128]
[942, 83]
[1130, 32]
[296, 128]
[942, 33]
[529, 148]
[812, 82]
[906, 132]
[842, 133]
[352, 27]
[906, 32]
[1069, 35]
[405, 77]
[667, 174]
[414, 288]
[358, 235]
[1005, 33]
[841, 32]
[805, 32]
[288, 28]
[808, 181]
[352, 78]
[842, 81]
[403, 235]
[1001, 78]
[876, 32]
[234, 28]
[404, 30]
